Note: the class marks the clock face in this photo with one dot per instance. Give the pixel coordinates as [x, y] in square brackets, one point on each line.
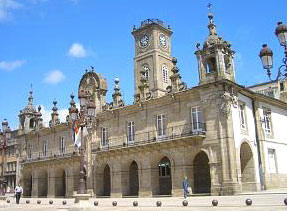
[144, 41]
[162, 40]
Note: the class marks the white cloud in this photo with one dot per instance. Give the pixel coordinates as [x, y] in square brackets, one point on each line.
[77, 50]
[46, 114]
[5, 8]
[54, 77]
[9, 66]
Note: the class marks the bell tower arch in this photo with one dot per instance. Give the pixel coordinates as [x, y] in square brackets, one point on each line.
[215, 59]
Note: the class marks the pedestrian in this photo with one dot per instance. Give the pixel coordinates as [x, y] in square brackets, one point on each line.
[18, 192]
[185, 187]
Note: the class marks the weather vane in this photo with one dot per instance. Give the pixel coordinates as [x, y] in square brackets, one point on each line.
[209, 6]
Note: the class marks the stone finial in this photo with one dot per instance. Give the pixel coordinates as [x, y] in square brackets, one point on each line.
[72, 102]
[55, 120]
[176, 84]
[117, 95]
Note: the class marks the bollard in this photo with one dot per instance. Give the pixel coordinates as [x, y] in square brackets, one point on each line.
[64, 202]
[135, 203]
[248, 202]
[214, 202]
[96, 203]
[115, 203]
[39, 202]
[51, 202]
[27, 201]
[8, 201]
[285, 201]
[184, 203]
[158, 203]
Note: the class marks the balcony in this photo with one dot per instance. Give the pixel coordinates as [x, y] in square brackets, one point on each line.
[10, 172]
[50, 155]
[185, 131]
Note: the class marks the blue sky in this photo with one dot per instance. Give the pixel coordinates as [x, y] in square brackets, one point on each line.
[50, 43]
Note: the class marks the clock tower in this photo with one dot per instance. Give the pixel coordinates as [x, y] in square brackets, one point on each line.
[152, 60]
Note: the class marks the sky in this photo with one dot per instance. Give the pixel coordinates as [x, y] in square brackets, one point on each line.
[50, 43]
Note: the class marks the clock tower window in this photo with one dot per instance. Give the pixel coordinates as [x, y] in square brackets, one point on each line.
[145, 71]
[164, 73]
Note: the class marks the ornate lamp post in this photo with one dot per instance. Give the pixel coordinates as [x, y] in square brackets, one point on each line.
[87, 111]
[266, 55]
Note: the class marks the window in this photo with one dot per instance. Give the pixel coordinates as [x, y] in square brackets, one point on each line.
[45, 148]
[161, 125]
[62, 145]
[104, 136]
[29, 151]
[272, 161]
[196, 119]
[146, 71]
[242, 116]
[164, 73]
[164, 167]
[227, 64]
[131, 132]
[281, 86]
[267, 120]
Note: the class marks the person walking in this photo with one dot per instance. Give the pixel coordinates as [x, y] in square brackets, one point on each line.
[18, 192]
[185, 187]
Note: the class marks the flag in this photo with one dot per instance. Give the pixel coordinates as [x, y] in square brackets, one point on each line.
[74, 130]
[78, 135]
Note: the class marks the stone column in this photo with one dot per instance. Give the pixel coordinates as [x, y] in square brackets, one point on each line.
[145, 173]
[34, 192]
[51, 182]
[178, 171]
[116, 185]
[69, 182]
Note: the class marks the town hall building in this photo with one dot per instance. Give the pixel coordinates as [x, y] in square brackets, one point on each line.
[225, 138]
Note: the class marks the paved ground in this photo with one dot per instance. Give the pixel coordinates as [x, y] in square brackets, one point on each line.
[266, 201]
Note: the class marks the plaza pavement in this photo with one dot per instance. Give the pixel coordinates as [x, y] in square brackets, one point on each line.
[272, 200]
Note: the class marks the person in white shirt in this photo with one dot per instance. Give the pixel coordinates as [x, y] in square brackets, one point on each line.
[18, 192]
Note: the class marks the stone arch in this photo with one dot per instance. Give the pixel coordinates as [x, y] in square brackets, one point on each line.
[107, 181]
[42, 183]
[27, 184]
[248, 178]
[133, 179]
[201, 171]
[60, 183]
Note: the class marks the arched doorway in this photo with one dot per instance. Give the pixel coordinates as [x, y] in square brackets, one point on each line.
[164, 176]
[60, 183]
[107, 181]
[42, 184]
[27, 185]
[134, 179]
[247, 167]
[201, 170]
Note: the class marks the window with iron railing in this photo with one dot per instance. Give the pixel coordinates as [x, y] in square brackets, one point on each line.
[161, 125]
[267, 121]
[45, 148]
[131, 132]
[196, 119]
[62, 145]
[104, 136]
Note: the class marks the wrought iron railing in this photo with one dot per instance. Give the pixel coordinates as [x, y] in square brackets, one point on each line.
[152, 136]
[150, 21]
[10, 172]
[51, 154]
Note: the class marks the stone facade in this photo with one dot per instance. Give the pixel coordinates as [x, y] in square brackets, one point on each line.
[215, 133]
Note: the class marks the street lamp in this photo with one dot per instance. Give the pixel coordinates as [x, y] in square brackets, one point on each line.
[266, 55]
[87, 111]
